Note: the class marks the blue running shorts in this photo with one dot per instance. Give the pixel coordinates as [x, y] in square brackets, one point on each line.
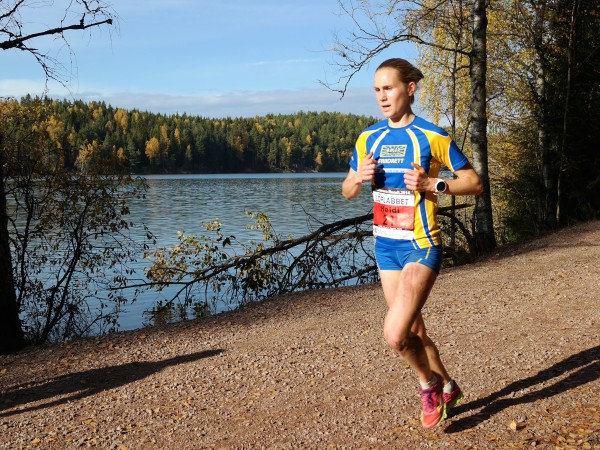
[391, 258]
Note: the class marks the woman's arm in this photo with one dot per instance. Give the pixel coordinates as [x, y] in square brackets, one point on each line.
[354, 180]
[467, 182]
[351, 185]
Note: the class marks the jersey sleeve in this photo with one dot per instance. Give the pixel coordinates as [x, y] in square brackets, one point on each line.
[447, 152]
[360, 151]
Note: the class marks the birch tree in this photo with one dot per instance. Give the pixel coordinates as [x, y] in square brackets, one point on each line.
[483, 217]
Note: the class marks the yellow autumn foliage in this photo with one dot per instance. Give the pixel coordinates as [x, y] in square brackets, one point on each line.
[153, 149]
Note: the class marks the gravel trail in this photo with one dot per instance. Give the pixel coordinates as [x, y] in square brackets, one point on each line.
[520, 331]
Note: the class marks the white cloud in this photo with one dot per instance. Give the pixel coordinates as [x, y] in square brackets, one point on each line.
[249, 104]
[233, 104]
[18, 88]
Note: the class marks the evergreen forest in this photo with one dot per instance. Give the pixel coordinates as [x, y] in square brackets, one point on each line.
[149, 143]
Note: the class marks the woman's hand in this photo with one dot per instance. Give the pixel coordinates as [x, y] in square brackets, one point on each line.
[354, 180]
[366, 170]
[417, 179]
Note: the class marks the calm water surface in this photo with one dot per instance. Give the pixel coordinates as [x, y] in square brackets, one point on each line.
[183, 202]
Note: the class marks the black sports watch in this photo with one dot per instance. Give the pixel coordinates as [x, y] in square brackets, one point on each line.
[440, 186]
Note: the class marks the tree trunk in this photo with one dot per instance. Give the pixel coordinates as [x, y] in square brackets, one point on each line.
[565, 130]
[547, 207]
[11, 333]
[483, 219]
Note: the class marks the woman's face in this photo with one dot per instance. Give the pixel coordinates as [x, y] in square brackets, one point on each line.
[393, 95]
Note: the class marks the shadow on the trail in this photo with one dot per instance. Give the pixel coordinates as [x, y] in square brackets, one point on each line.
[582, 368]
[75, 386]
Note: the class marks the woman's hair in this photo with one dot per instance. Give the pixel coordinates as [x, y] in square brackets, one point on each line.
[406, 71]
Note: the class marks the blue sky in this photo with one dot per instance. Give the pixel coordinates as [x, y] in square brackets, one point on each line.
[235, 58]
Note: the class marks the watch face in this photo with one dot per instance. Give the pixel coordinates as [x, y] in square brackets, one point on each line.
[440, 186]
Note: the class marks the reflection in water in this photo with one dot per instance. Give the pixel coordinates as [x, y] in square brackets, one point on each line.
[162, 313]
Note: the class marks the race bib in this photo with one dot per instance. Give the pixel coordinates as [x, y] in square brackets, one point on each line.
[394, 213]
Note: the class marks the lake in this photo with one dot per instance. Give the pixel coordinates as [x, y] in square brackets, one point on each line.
[183, 202]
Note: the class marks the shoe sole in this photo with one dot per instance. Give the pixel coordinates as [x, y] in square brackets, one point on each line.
[455, 401]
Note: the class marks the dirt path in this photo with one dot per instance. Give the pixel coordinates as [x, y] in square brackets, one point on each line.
[519, 331]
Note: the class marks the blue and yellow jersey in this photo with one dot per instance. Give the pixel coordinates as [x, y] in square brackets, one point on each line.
[395, 149]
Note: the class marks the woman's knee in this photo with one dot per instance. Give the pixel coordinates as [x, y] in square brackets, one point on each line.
[392, 339]
[403, 344]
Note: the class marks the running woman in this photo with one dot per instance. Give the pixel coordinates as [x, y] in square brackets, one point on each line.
[400, 157]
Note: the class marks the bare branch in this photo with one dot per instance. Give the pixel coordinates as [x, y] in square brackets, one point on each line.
[9, 13]
[18, 42]
[88, 15]
[371, 35]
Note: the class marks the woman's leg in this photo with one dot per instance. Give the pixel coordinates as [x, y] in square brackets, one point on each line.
[433, 355]
[406, 292]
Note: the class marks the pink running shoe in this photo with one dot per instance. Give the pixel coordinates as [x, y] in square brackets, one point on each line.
[453, 399]
[434, 410]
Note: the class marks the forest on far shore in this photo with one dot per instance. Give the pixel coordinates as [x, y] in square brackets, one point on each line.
[150, 143]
